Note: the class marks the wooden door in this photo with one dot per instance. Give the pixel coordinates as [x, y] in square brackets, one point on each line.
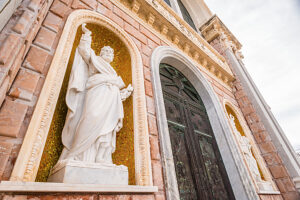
[199, 168]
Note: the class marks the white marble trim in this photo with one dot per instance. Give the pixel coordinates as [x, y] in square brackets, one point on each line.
[268, 192]
[11, 186]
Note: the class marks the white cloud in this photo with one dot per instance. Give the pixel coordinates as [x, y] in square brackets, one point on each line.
[269, 31]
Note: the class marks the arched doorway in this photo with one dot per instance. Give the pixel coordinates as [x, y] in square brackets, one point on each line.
[237, 173]
[200, 171]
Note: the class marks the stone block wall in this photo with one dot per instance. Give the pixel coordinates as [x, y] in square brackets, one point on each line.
[25, 55]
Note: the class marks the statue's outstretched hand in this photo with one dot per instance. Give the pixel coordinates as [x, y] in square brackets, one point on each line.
[129, 88]
[125, 93]
[84, 46]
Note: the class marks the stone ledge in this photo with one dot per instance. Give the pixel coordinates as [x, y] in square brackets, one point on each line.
[269, 192]
[297, 183]
[12, 186]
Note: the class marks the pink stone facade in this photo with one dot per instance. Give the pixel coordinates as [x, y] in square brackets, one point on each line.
[27, 46]
[268, 150]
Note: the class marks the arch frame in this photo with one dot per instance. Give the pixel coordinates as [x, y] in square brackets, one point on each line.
[26, 166]
[257, 153]
[238, 176]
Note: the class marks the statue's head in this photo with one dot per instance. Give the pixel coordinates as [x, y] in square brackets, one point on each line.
[107, 53]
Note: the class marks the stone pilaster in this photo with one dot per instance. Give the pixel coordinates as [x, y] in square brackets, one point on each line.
[217, 34]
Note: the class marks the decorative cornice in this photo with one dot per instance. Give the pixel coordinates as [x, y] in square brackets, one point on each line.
[160, 18]
[215, 28]
[164, 29]
[151, 19]
[135, 6]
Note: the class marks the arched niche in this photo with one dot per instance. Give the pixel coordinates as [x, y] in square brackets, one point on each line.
[237, 173]
[244, 130]
[29, 158]
[124, 154]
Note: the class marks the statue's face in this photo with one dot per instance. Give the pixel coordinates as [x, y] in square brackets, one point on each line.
[107, 54]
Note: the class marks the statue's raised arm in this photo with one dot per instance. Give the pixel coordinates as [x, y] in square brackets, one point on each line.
[85, 44]
[85, 30]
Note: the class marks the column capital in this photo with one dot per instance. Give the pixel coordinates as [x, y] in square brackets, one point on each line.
[214, 28]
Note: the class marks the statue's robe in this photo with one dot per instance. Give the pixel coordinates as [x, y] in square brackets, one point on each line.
[95, 107]
[246, 149]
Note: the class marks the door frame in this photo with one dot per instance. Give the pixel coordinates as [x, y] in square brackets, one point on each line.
[238, 176]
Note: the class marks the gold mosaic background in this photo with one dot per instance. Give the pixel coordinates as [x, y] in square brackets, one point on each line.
[124, 154]
[237, 123]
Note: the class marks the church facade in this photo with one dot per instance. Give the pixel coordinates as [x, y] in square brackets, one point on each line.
[195, 126]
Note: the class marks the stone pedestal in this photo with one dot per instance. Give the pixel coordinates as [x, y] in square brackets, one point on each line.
[69, 171]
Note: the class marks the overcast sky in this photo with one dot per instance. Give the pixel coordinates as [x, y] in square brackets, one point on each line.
[269, 31]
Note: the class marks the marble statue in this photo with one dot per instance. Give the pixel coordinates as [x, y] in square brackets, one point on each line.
[246, 150]
[95, 110]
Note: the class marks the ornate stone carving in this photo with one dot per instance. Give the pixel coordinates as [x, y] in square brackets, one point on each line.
[196, 55]
[151, 19]
[246, 149]
[215, 28]
[164, 29]
[195, 38]
[176, 39]
[179, 33]
[135, 6]
[186, 48]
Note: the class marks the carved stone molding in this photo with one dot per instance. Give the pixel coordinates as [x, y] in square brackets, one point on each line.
[135, 6]
[151, 19]
[215, 28]
[27, 164]
[179, 34]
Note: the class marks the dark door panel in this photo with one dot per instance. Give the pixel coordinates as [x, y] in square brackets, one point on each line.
[199, 168]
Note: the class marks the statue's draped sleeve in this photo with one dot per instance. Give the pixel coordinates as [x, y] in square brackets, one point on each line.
[76, 89]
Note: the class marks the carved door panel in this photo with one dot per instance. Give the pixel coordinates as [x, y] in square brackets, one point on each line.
[182, 159]
[199, 168]
[210, 159]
